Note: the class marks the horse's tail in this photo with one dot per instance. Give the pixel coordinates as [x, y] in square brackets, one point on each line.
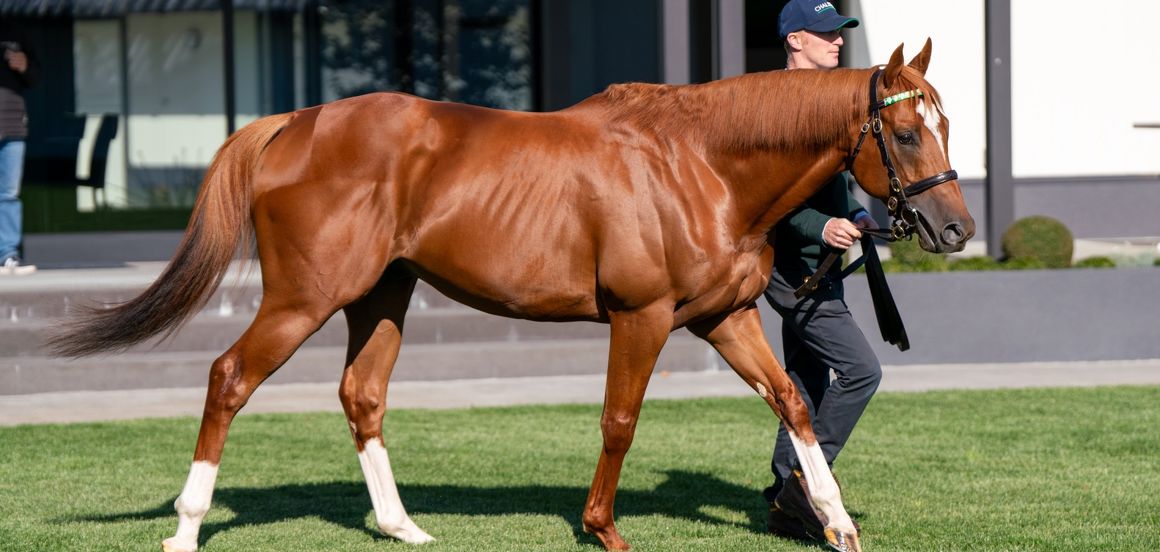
[219, 226]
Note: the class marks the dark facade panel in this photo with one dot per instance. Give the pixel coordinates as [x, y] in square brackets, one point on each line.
[114, 8]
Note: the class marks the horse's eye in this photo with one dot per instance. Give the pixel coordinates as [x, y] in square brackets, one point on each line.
[905, 138]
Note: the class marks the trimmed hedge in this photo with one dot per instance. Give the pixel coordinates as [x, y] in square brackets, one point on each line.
[981, 262]
[1096, 262]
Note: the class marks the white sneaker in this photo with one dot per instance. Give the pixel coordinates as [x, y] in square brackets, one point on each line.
[12, 267]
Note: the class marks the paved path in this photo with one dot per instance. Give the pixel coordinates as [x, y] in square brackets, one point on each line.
[118, 405]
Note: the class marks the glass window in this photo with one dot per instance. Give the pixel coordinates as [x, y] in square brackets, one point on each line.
[133, 106]
[471, 51]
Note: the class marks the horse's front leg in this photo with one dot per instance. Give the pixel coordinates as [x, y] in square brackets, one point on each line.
[741, 341]
[637, 339]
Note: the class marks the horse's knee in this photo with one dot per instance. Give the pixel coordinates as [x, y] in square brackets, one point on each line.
[618, 431]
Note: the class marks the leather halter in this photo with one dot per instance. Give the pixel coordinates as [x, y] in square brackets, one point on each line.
[905, 216]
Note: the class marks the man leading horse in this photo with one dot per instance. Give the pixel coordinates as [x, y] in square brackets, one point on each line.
[818, 333]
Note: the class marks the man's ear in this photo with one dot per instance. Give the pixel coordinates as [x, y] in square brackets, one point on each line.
[893, 69]
[793, 41]
[922, 60]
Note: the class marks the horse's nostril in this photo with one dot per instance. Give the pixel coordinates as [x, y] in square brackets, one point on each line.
[953, 233]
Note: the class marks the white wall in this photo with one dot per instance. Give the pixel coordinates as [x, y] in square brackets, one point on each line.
[1082, 73]
[955, 28]
[1076, 89]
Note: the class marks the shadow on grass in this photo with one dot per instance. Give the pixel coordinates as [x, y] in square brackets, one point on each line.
[683, 495]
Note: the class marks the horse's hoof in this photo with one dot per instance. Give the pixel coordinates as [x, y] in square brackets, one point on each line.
[171, 544]
[842, 541]
[407, 532]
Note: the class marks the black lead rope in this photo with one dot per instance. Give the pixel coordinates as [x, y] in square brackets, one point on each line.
[889, 319]
[811, 284]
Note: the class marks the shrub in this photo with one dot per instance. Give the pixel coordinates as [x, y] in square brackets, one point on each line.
[909, 254]
[1156, 262]
[981, 262]
[1040, 238]
[1025, 263]
[935, 264]
[1096, 262]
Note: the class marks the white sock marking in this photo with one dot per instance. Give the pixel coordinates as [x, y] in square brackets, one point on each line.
[390, 515]
[192, 505]
[824, 492]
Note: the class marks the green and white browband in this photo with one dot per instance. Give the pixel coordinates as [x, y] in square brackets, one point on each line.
[916, 93]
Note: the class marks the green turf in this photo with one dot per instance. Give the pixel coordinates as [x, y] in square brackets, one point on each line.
[1021, 470]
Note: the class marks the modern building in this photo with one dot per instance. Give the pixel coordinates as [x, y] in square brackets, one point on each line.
[138, 94]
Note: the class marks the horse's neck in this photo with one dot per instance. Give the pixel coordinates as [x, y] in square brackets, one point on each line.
[768, 185]
[780, 137]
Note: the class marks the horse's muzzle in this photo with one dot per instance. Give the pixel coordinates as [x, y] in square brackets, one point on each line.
[950, 238]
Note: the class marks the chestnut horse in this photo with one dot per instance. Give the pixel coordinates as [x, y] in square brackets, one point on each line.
[646, 207]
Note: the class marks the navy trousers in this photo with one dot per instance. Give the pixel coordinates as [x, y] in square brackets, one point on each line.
[819, 335]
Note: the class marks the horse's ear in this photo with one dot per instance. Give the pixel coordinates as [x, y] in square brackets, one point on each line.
[922, 60]
[893, 69]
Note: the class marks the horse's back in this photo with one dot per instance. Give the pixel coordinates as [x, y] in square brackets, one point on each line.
[533, 215]
[493, 207]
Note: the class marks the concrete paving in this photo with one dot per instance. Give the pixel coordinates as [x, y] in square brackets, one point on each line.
[67, 406]
[92, 406]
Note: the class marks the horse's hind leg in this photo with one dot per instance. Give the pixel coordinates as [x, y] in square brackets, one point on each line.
[376, 325]
[276, 332]
[741, 342]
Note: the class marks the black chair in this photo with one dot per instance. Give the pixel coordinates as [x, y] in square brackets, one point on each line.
[52, 159]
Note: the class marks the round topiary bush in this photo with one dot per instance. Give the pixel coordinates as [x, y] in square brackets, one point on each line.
[1156, 262]
[1040, 238]
[1096, 262]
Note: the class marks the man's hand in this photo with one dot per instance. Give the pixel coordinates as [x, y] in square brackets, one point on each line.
[18, 61]
[840, 233]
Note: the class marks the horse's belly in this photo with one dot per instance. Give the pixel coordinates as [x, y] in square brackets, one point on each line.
[521, 290]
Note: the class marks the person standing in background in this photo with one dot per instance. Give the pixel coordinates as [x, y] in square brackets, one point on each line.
[19, 71]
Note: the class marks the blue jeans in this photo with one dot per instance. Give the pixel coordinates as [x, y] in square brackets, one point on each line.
[11, 169]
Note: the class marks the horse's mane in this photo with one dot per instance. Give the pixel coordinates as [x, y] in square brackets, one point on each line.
[785, 110]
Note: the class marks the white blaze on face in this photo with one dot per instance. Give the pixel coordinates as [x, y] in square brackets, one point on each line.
[932, 116]
[390, 516]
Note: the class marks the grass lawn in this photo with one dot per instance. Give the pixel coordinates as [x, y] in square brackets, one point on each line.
[1027, 470]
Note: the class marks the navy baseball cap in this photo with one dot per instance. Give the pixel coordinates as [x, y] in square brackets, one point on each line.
[811, 15]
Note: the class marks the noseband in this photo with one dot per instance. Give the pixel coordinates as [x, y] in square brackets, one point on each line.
[905, 217]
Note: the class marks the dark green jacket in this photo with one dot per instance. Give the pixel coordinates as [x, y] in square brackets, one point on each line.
[798, 247]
